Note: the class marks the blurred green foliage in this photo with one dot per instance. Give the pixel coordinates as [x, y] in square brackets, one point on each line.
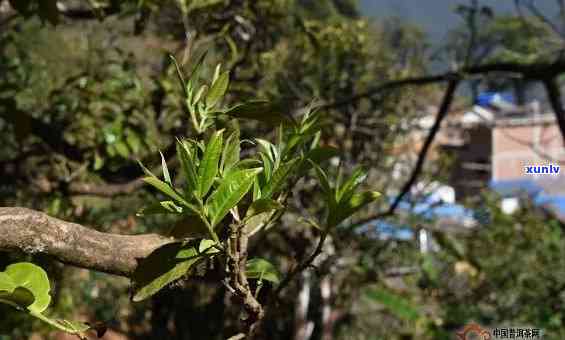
[83, 100]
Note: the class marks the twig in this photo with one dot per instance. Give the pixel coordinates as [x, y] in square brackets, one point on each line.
[442, 113]
[554, 96]
[304, 265]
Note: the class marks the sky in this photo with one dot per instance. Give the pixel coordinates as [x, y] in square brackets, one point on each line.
[436, 16]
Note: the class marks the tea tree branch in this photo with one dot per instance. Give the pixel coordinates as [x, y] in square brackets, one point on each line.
[34, 232]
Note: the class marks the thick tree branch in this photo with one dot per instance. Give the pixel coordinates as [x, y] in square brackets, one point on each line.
[34, 232]
[533, 71]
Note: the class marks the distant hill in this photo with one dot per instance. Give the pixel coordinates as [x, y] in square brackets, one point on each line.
[436, 16]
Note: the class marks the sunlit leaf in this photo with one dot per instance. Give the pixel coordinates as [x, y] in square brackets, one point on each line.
[145, 170]
[218, 89]
[348, 208]
[199, 94]
[230, 154]
[166, 174]
[188, 166]
[231, 190]
[179, 73]
[258, 221]
[261, 269]
[167, 190]
[216, 73]
[245, 164]
[6, 282]
[348, 188]
[209, 165]
[279, 178]
[163, 207]
[34, 279]
[163, 266]
[262, 205]
[207, 246]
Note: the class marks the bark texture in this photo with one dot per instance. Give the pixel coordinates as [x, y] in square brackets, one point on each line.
[34, 232]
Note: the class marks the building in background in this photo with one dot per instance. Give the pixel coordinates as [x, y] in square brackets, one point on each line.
[499, 140]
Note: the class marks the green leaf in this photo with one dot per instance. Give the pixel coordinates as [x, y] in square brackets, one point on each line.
[348, 188]
[34, 279]
[188, 166]
[267, 166]
[163, 207]
[122, 149]
[217, 73]
[261, 269]
[166, 174]
[167, 190]
[19, 297]
[179, 74]
[262, 205]
[209, 165]
[396, 304]
[218, 89]
[6, 283]
[256, 222]
[74, 327]
[207, 246]
[232, 149]
[260, 110]
[231, 190]
[199, 94]
[247, 164]
[194, 73]
[145, 170]
[346, 209]
[279, 178]
[133, 141]
[163, 266]
[322, 178]
[98, 161]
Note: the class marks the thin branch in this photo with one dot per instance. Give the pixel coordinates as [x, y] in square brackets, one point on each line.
[530, 71]
[34, 232]
[305, 264]
[554, 96]
[442, 113]
[105, 190]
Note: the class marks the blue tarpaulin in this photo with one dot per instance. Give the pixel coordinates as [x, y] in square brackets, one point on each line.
[533, 190]
[487, 98]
